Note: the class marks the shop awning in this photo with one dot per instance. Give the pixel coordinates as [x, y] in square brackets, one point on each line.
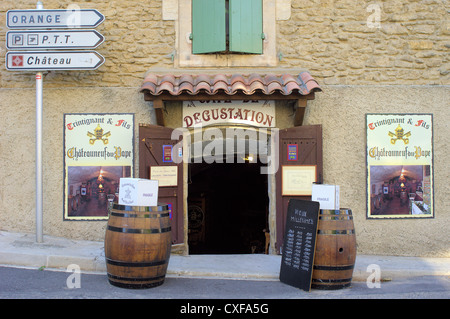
[297, 86]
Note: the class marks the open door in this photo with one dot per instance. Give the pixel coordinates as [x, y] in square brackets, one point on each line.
[301, 145]
[155, 158]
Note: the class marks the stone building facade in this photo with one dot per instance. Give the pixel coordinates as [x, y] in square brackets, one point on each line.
[368, 57]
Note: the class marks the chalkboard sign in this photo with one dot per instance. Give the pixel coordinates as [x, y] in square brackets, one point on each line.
[299, 243]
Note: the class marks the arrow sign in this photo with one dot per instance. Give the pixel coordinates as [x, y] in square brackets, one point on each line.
[53, 60]
[71, 39]
[60, 18]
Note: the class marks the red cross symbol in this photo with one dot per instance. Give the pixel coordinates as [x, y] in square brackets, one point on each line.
[17, 60]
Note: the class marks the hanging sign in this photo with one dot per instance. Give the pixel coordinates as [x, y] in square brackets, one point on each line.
[399, 165]
[254, 113]
[98, 151]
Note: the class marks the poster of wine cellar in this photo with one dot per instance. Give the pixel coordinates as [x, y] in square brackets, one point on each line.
[98, 151]
[399, 166]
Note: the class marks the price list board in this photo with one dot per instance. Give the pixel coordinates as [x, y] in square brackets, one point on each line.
[299, 243]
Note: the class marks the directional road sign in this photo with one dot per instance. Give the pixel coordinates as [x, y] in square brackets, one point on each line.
[59, 18]
[53, 60]
[43, 39]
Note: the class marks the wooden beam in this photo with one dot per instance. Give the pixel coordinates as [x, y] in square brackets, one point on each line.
[310, 96]
[158, 105]
[300, 107]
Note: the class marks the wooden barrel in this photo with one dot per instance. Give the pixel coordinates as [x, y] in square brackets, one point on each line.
[335, 252]
[137, 245]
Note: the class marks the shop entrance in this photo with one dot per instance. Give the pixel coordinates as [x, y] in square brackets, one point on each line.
[226, 204]
[227, 208]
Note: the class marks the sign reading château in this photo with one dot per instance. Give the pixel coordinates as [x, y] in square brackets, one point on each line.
[53, 60]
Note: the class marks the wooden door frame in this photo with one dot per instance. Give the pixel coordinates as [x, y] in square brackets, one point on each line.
[144, 172]
[312, 131]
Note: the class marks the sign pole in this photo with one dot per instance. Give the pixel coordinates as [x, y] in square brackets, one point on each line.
[39, 89]
[42, 60]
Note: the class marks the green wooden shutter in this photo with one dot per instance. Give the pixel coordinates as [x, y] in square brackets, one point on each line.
[208, 26]
[246, 26]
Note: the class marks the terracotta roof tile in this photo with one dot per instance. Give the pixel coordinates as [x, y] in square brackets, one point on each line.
[219, 85]
[286, 84]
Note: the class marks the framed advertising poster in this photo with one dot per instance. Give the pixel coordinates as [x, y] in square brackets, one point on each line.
[399, 166]
[98, 151]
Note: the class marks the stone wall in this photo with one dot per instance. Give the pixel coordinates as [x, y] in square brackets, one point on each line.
[338, 41]
[136, 39]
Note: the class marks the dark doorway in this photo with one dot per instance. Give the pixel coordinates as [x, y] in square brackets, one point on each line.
[227, 208]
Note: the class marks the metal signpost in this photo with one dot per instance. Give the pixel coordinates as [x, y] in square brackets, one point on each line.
[42, 60]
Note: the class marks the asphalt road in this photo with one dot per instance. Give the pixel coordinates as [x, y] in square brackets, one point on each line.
[192, 293]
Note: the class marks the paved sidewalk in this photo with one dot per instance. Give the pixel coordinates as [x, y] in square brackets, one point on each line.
[18, 249]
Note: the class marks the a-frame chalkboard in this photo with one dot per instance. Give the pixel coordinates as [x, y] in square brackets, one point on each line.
[299, 243]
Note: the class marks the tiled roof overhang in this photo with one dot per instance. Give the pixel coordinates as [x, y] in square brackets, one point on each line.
[182, 85]
[230, 84]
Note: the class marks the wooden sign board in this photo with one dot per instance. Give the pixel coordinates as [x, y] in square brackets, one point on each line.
[299, 243]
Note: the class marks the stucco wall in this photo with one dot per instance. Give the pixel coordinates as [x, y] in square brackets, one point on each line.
[341, 111]
[17, 153]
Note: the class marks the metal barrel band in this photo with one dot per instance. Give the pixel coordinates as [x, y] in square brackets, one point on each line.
[136, 285]
[135, 264]
[336, 232]
[341, 211]
[344, 267]
[336, 217]
[330, 287]
[136, 278]
[127, 208]
[116, 213]
[139, 231]
[330, 281]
